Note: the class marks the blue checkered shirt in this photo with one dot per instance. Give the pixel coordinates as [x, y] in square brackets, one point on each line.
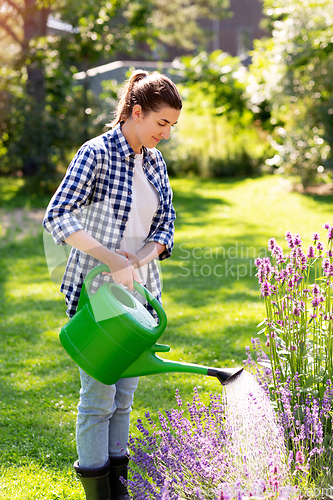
[96, 195]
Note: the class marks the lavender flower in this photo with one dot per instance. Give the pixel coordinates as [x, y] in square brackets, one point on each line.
[200, 456]
[265, 289]
[297, 240]
[271, 244]
[330, 233]
[299, 332]
[311, 253]
[315, 237]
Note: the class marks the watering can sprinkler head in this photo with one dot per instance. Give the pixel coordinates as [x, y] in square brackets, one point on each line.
[225, 376]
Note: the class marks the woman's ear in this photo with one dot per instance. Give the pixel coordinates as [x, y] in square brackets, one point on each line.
[137, 113]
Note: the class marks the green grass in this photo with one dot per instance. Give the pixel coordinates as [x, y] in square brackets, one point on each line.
[212, 315]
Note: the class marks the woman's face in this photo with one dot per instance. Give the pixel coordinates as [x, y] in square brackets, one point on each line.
[152, 127]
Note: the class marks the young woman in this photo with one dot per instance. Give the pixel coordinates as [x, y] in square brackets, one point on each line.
[114, 206]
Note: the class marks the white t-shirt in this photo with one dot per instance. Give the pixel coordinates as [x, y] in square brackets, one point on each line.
[145, 202]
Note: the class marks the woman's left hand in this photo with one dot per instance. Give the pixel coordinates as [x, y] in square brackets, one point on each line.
[131, 257]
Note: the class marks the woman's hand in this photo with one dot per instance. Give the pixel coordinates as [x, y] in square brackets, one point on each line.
[146, 254]
[131, 257]
[122, 271]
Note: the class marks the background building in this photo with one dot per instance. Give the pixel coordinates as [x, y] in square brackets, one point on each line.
[236, 33]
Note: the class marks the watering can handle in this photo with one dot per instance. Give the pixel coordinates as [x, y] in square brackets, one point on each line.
[84, 296]
[159, 329]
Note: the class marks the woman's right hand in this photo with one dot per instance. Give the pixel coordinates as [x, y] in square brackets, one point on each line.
[121, 270]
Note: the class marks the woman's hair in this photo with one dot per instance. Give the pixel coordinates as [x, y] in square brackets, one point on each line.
[151, 91]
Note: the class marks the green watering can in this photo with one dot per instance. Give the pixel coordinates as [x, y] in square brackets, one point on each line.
[113, 336]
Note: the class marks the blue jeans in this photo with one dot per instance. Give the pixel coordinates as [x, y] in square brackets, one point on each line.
[103, 419]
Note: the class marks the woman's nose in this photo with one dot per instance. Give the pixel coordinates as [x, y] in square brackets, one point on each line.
[166, 134]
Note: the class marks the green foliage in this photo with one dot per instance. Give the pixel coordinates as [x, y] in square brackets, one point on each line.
[291, 78]
[44, 117]
[176, 22]
[215, 81]
[40, 137]
[218, 134]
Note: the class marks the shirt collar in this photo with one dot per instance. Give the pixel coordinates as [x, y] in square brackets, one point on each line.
[124, 148]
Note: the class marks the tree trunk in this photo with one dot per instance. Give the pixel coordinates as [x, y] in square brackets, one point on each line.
[35, 20]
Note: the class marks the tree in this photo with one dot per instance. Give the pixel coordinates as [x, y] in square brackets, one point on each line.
[37, 78]
[291, 77]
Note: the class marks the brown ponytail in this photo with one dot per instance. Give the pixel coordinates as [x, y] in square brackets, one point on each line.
[150, 90]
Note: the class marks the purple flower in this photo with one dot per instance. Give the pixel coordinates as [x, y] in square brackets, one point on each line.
[278, 251]
[330, 233]
[289, 269]
[326, 265]
[300, 458]
[289, 239]
[297, 240]
[315, 301]
[311, 253]
[265, 289]
[271, 244]
[326, 226]
[315, 237]
[320, 246]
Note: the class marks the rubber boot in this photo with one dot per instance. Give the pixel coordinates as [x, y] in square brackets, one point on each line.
[95, 481]
[118, 469]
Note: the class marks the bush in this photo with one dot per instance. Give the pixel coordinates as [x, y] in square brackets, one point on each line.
[290, 76]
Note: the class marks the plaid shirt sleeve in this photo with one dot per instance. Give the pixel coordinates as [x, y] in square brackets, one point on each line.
[62, 215]
[163, 233]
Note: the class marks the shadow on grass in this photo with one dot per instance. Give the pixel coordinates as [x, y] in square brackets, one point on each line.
[39, 384]
[198, 276]
[191, 206]
[320, 199]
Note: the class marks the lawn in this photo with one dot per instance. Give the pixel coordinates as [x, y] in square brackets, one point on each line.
[210, 295]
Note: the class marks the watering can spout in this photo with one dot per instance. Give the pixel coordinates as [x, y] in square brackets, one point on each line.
[149, 364]
[226, 375]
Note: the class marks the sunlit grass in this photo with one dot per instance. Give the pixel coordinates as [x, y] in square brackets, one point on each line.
[211, 298]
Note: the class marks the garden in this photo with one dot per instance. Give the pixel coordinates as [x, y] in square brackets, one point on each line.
[214, 304]
[249, 283]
